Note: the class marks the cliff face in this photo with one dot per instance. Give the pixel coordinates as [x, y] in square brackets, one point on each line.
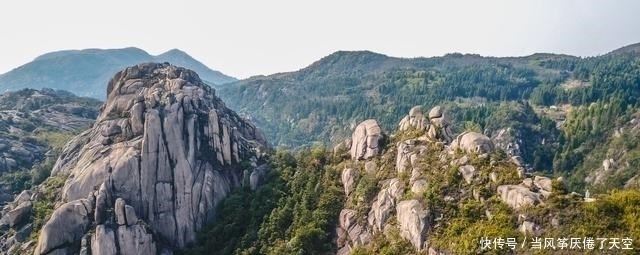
[163, 152]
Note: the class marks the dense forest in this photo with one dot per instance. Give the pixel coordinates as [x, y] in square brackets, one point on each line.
[560, 107]
[297, 210]
[567, 113]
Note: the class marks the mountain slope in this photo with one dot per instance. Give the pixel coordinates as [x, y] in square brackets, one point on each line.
[34, 125]
[86, 72]
[162, 154]
[632, 48]
[420, 190]
[521, 102]
[317, 102]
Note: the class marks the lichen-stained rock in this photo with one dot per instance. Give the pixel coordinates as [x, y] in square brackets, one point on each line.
[176, 151]
[416, 120]
[413, 222]
[517, 196]
[473, 142]
[365, 141]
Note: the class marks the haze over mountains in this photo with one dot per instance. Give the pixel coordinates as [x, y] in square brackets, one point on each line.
[86, 72]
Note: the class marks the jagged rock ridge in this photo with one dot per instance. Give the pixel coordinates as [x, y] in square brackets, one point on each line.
[162, 154]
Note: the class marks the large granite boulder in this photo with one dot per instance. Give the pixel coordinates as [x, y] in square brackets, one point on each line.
[473, 142]
[67, 225]
[18, 215]
[440, 127]
[366, 139]
[349, 176]
[517, 196]
[415, 120]
[413, 222]
[166, 146]
[408, 154]
[468, 172]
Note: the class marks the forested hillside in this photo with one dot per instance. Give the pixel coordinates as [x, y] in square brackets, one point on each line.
[442, 202]
[556, 109]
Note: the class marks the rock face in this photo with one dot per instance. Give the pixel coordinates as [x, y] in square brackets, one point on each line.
[349, 176]
[350, 233]
[16, 215]
[163, 153]
[507, 140]
[384, 204]
[409, 152]
[472, 142]
[440, 125]
[601, 174]
[365, 141]
[67, 225]
[412, 221]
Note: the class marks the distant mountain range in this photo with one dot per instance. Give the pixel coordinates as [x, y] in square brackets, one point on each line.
[86, 72]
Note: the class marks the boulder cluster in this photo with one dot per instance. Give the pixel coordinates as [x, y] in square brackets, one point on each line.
[437, 124]
[412, 220]
[16, 216]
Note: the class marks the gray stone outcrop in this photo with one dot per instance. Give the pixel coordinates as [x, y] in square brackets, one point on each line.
[163, 152]
[473, 142]
[366, 139]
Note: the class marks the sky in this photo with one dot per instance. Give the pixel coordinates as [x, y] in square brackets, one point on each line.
[245, 38]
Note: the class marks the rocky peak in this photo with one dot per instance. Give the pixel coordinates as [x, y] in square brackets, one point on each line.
[164, 151]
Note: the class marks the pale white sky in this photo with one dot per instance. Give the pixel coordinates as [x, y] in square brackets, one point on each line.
[244, 38]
